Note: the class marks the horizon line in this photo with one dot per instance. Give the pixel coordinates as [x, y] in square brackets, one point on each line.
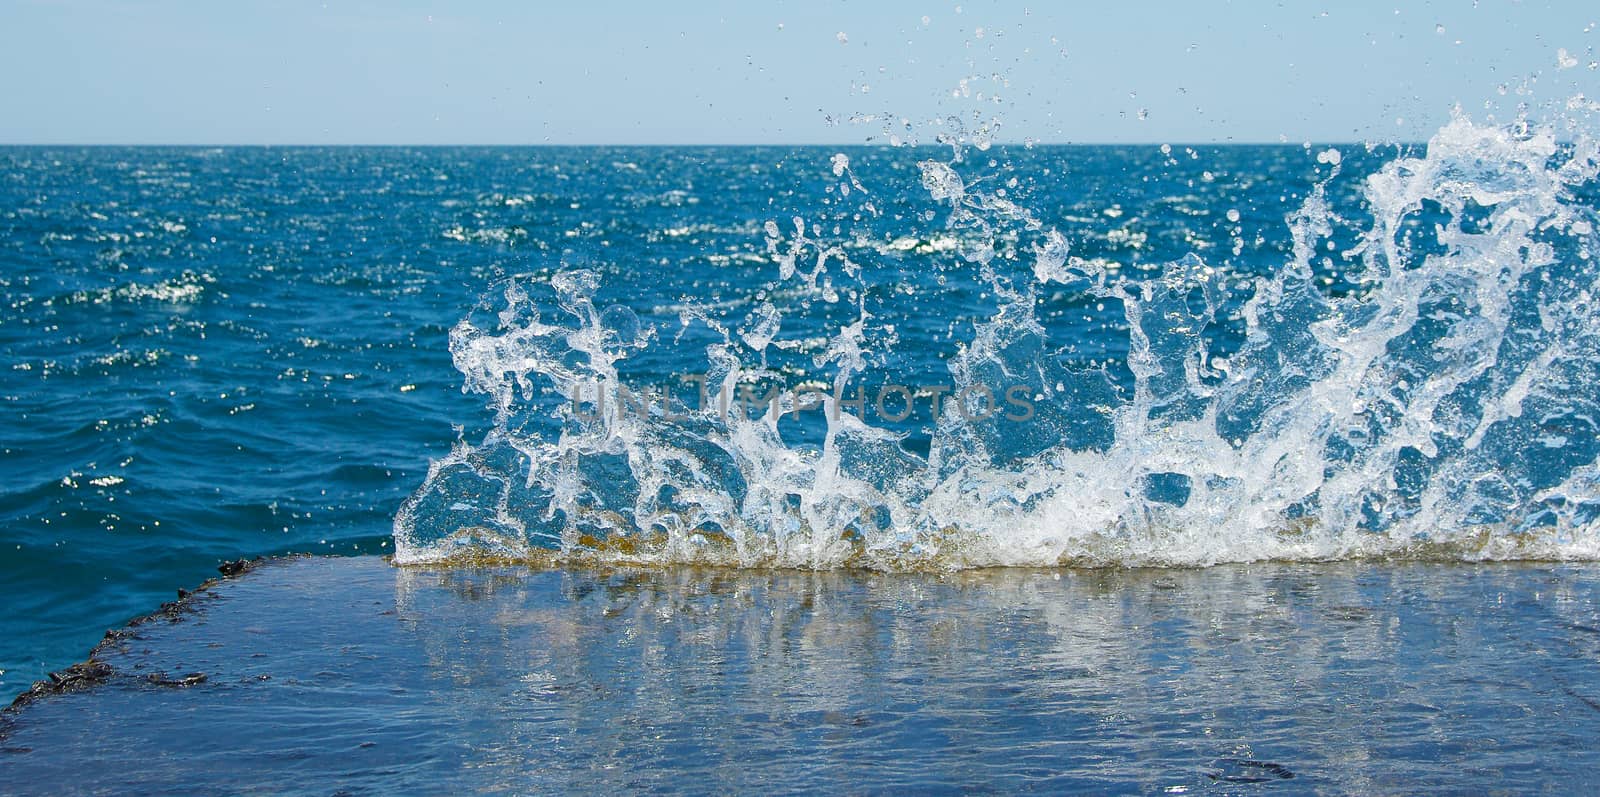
[713, 145]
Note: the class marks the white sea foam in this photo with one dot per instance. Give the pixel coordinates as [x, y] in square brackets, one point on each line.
[1447, 409]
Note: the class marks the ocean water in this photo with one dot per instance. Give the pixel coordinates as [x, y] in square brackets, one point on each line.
[1223, 354]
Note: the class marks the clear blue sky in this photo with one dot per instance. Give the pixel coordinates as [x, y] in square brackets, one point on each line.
[599, 72]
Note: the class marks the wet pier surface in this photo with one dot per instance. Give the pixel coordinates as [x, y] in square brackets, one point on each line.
[350, 675]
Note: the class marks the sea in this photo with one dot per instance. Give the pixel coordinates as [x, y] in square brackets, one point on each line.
[932, 359]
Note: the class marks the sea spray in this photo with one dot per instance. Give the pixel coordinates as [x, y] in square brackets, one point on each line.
[1444, 406]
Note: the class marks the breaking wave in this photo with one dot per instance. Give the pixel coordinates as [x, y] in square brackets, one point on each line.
[1446, 405]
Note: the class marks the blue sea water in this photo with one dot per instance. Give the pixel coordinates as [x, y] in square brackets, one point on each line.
[223, 353]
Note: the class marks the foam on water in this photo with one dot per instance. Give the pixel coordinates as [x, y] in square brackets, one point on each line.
[1446, 408]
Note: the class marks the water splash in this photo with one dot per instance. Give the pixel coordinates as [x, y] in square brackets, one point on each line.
[1445, 408]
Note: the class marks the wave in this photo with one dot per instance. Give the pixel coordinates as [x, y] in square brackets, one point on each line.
[1445, 407]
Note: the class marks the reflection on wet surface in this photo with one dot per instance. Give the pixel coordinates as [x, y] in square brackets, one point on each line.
[348, 674]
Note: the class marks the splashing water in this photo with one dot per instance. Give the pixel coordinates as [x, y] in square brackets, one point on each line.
[1447, 407]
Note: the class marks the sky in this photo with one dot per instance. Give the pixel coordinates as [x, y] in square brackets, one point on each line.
[807, 72]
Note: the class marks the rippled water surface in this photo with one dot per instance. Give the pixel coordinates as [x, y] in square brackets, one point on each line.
[1229, 354]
